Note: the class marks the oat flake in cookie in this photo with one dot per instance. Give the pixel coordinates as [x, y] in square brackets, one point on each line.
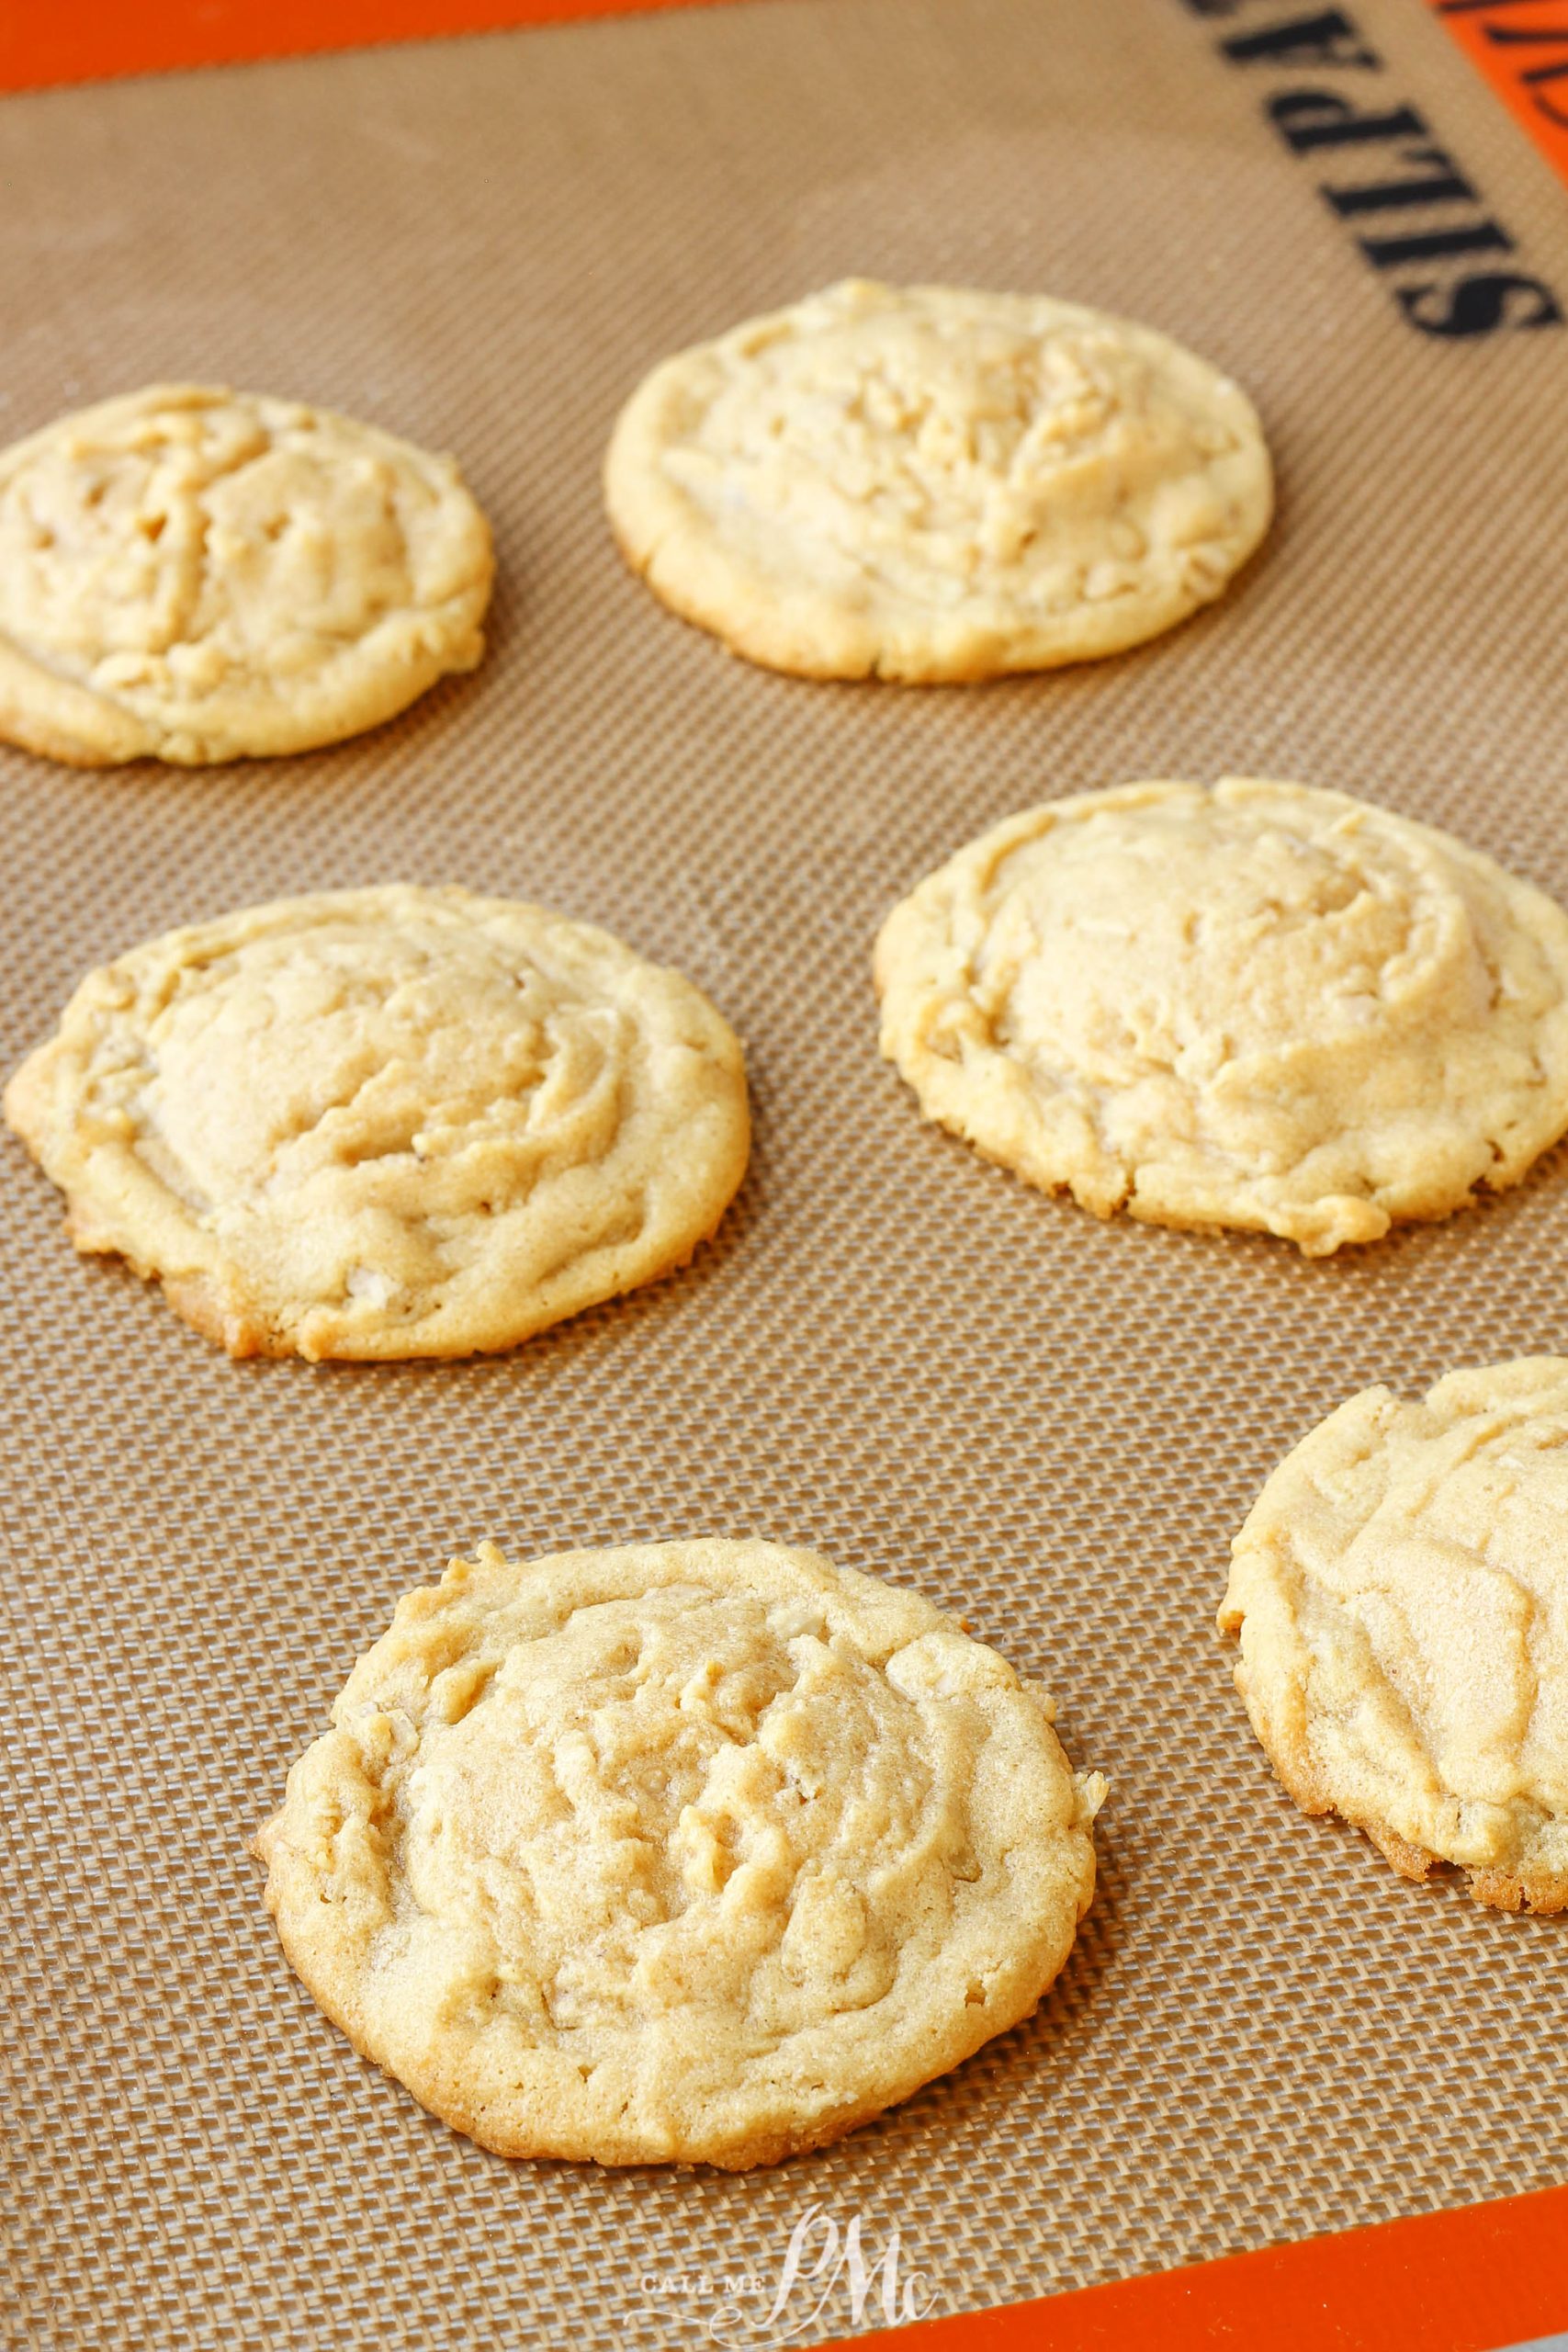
[1259, 1006]
[697, 1852]
[192, 574]
[388, 1123]
[928, 483]
[1400, 1591]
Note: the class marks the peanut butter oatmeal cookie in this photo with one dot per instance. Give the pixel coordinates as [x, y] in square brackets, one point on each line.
[1399, 1593]
[677, 1852]
[1259, 1006]
[927, 483]
[193, 574]
[388, 1123]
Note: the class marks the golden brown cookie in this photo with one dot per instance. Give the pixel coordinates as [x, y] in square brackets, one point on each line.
[1400, 1591]
[193, 574]
[692, 1852]
[1259, 1006]
[388, 1123]
[930, 483]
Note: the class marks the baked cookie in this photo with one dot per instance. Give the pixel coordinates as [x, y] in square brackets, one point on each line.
[927, 483]
[1257, 1005]
[696, 1852]
[388, 1123]
[1400, 1591]
[193, 574]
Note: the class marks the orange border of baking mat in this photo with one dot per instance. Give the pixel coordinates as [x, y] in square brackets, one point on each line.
[1472, 2279]
[1476, 2279]
[1520, 47]
[97, 41]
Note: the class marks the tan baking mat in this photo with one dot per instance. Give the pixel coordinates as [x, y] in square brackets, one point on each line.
[893, 1350]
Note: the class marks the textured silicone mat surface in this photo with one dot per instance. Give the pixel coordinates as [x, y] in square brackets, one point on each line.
[892, 1350]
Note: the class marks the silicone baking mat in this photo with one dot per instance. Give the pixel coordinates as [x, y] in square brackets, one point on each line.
[892, 1350]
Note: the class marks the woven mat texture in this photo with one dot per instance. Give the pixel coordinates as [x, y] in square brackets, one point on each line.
[892, 1351]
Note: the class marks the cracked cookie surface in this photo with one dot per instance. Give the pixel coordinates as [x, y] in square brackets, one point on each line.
[388, 1123]
[930, 483]
[697, 1852]
[1400, 1591]
[1258, 1005]
[192, 574]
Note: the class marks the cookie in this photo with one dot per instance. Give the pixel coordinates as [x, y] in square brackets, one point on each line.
[388, 1123]
[1400, 1592]
[932, 484]
[1259, 1006]
[688, 1852]
[193, 574]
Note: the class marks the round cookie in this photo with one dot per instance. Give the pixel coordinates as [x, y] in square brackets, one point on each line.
[192, 574]
[687, 1852]
[1259, 1006]
[932, 484]
[388, 1123]
[1400, 1591]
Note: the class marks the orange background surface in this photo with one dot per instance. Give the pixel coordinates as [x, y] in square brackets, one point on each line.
[1469, 2280]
